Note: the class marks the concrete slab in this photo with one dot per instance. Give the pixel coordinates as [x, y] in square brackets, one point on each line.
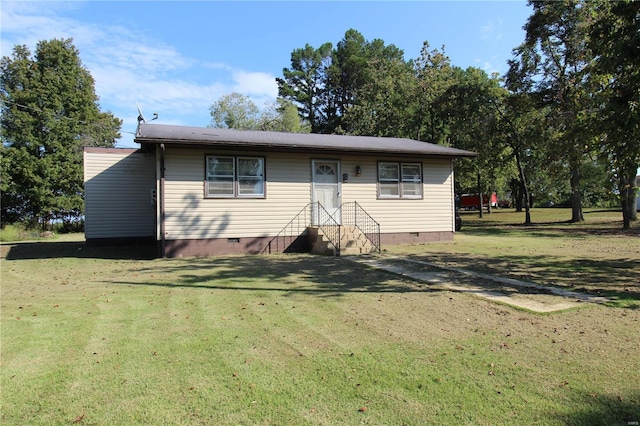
[520, 294]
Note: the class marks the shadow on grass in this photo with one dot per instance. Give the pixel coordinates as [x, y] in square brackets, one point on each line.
[316, 274]
[617, 279]
[290, 274]
[548, 231]
[604, 410]
[74, 249]
[489, 226]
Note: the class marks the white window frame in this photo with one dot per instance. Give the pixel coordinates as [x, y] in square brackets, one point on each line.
[402, 179]
[236, 188]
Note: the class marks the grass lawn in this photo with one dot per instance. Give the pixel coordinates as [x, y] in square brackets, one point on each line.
[596, 256]
[111, 336]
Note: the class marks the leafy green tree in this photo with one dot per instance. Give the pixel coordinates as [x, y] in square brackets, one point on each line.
[467, 109]
[282, 116]
[524, 128]
[434, 75]
[381, 106]
[49, 112]
[235, 111]
[615, 40]
[553, 64]
[325, 83]
[350, 71]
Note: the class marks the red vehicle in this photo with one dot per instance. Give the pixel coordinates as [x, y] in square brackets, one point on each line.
[472, 201]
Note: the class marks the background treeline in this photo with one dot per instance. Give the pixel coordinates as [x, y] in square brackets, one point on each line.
[560, 127]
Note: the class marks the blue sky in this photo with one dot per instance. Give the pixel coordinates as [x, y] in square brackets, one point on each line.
[177, 58]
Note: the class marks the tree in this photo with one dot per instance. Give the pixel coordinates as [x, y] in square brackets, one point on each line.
[553, 64]
[381, 106]
[467, 109]
[49, 112]
[235, 111]
[522, 126]
[434, 75]
[282, 116]
[350, 70]
[304, 84]
[615, 40]
[325, 83]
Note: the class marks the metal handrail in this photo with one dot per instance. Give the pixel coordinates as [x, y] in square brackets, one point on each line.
[354, 215]
[328, 224]
[292, 231]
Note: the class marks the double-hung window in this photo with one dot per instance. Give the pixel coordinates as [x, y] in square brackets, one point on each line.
[399, 180]
[234, 176]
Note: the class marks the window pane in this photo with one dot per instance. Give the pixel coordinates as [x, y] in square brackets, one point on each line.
[250, 176]
[411, 173]
[220, 166]
[221, 186]
[411, 189]
[250, 186]
[411, 180]
[250, 167]
[388, 171]
[389, 190]
[325, 170]
[220, 173]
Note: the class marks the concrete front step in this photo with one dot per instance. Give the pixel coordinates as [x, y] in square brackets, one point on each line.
[352, 251]
[352, 242]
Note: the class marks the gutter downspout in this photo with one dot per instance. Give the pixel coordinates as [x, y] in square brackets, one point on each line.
[163, 243]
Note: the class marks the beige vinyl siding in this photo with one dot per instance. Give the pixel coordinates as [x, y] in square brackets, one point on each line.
[118, 184]
[189, 215]
[432, 213]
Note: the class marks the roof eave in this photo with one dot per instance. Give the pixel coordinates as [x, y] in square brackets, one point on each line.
[189, 143]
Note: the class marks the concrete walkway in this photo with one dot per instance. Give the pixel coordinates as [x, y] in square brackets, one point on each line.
[520, 294]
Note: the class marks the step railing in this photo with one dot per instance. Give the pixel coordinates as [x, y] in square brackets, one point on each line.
[293, 237]
[353, 214]
[327, 224]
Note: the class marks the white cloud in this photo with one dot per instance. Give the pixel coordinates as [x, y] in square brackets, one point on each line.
[492, 30]
[130, 67]
[255, 83]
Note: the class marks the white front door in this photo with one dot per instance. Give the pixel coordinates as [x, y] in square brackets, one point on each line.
[326, 187]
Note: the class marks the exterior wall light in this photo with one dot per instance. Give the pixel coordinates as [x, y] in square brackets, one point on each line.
[358, 170]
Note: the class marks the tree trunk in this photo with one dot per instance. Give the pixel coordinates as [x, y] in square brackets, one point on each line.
[632, 195]
[626, 220]
[576, 194]
[628, 195]
[525, 190]
[480, 196]
[516, 194]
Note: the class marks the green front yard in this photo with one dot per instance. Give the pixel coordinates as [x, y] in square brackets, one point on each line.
[105, 336]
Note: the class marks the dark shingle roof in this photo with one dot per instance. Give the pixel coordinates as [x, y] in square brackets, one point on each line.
[208, 136]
